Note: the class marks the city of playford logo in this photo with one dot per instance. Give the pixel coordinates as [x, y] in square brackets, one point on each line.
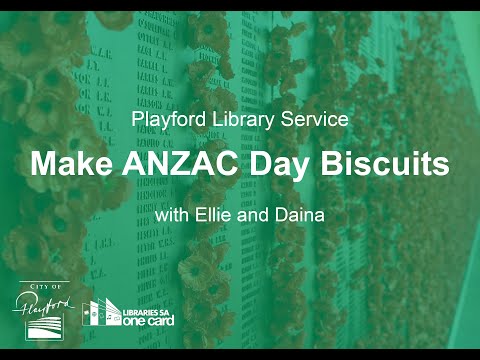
[44, 305]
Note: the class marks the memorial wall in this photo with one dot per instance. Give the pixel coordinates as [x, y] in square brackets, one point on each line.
[362, 277]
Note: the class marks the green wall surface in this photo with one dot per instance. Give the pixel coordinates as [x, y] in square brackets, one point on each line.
[394, 264]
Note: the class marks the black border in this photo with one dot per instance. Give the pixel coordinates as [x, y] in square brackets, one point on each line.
[262, 5]
[122, 353]
[245, 5]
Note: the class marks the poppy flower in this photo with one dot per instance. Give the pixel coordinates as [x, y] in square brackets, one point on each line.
[278, 58]
[33, 203]
[357, 213]
[296, 279]
[67, 263]
[287, 83]
[80, 135]
[326, 249]
[324, 42]
[279, 146]
[215, 146]
[210, 29]
[200, 72]
[326, 276]
[218, 290]
[26, 250]
[62, 227]
[117, 189]
[203, 104]
[204, 230]
[220, 252]
[195, 272]
[282, 270]
[290, 341]
[275, 259]
[279, 38]
[202, 195]
[297, 28]
[58, 80]
[65, 33]
[23, 163]
[214, 255]
[15, 94]
[78, 291]
[283, 141]
[299, 312]
[291, 252]
[314, 105]
[220, 326]
[198, 311]
[291, 200]
[290, 232]
[333, 198]
[298, 66]
[83, 195]
[290, 306]
[197, 339]
[222, 181]
[115, 20]
[211, 101]
[22, 48]
[226, 98]
[46, 113]
[204, 249]
[331, 136]
[282, 184]
[272, 74]
[285, 102]
[325, 19]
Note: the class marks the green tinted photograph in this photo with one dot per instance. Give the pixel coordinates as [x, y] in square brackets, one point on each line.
[239, 179]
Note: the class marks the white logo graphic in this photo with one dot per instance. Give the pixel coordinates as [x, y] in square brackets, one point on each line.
[47, 312]
[103, 313]
[45, 328]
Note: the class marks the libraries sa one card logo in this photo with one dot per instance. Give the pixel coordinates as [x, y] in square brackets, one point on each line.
[104, 313]
[44, 305]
